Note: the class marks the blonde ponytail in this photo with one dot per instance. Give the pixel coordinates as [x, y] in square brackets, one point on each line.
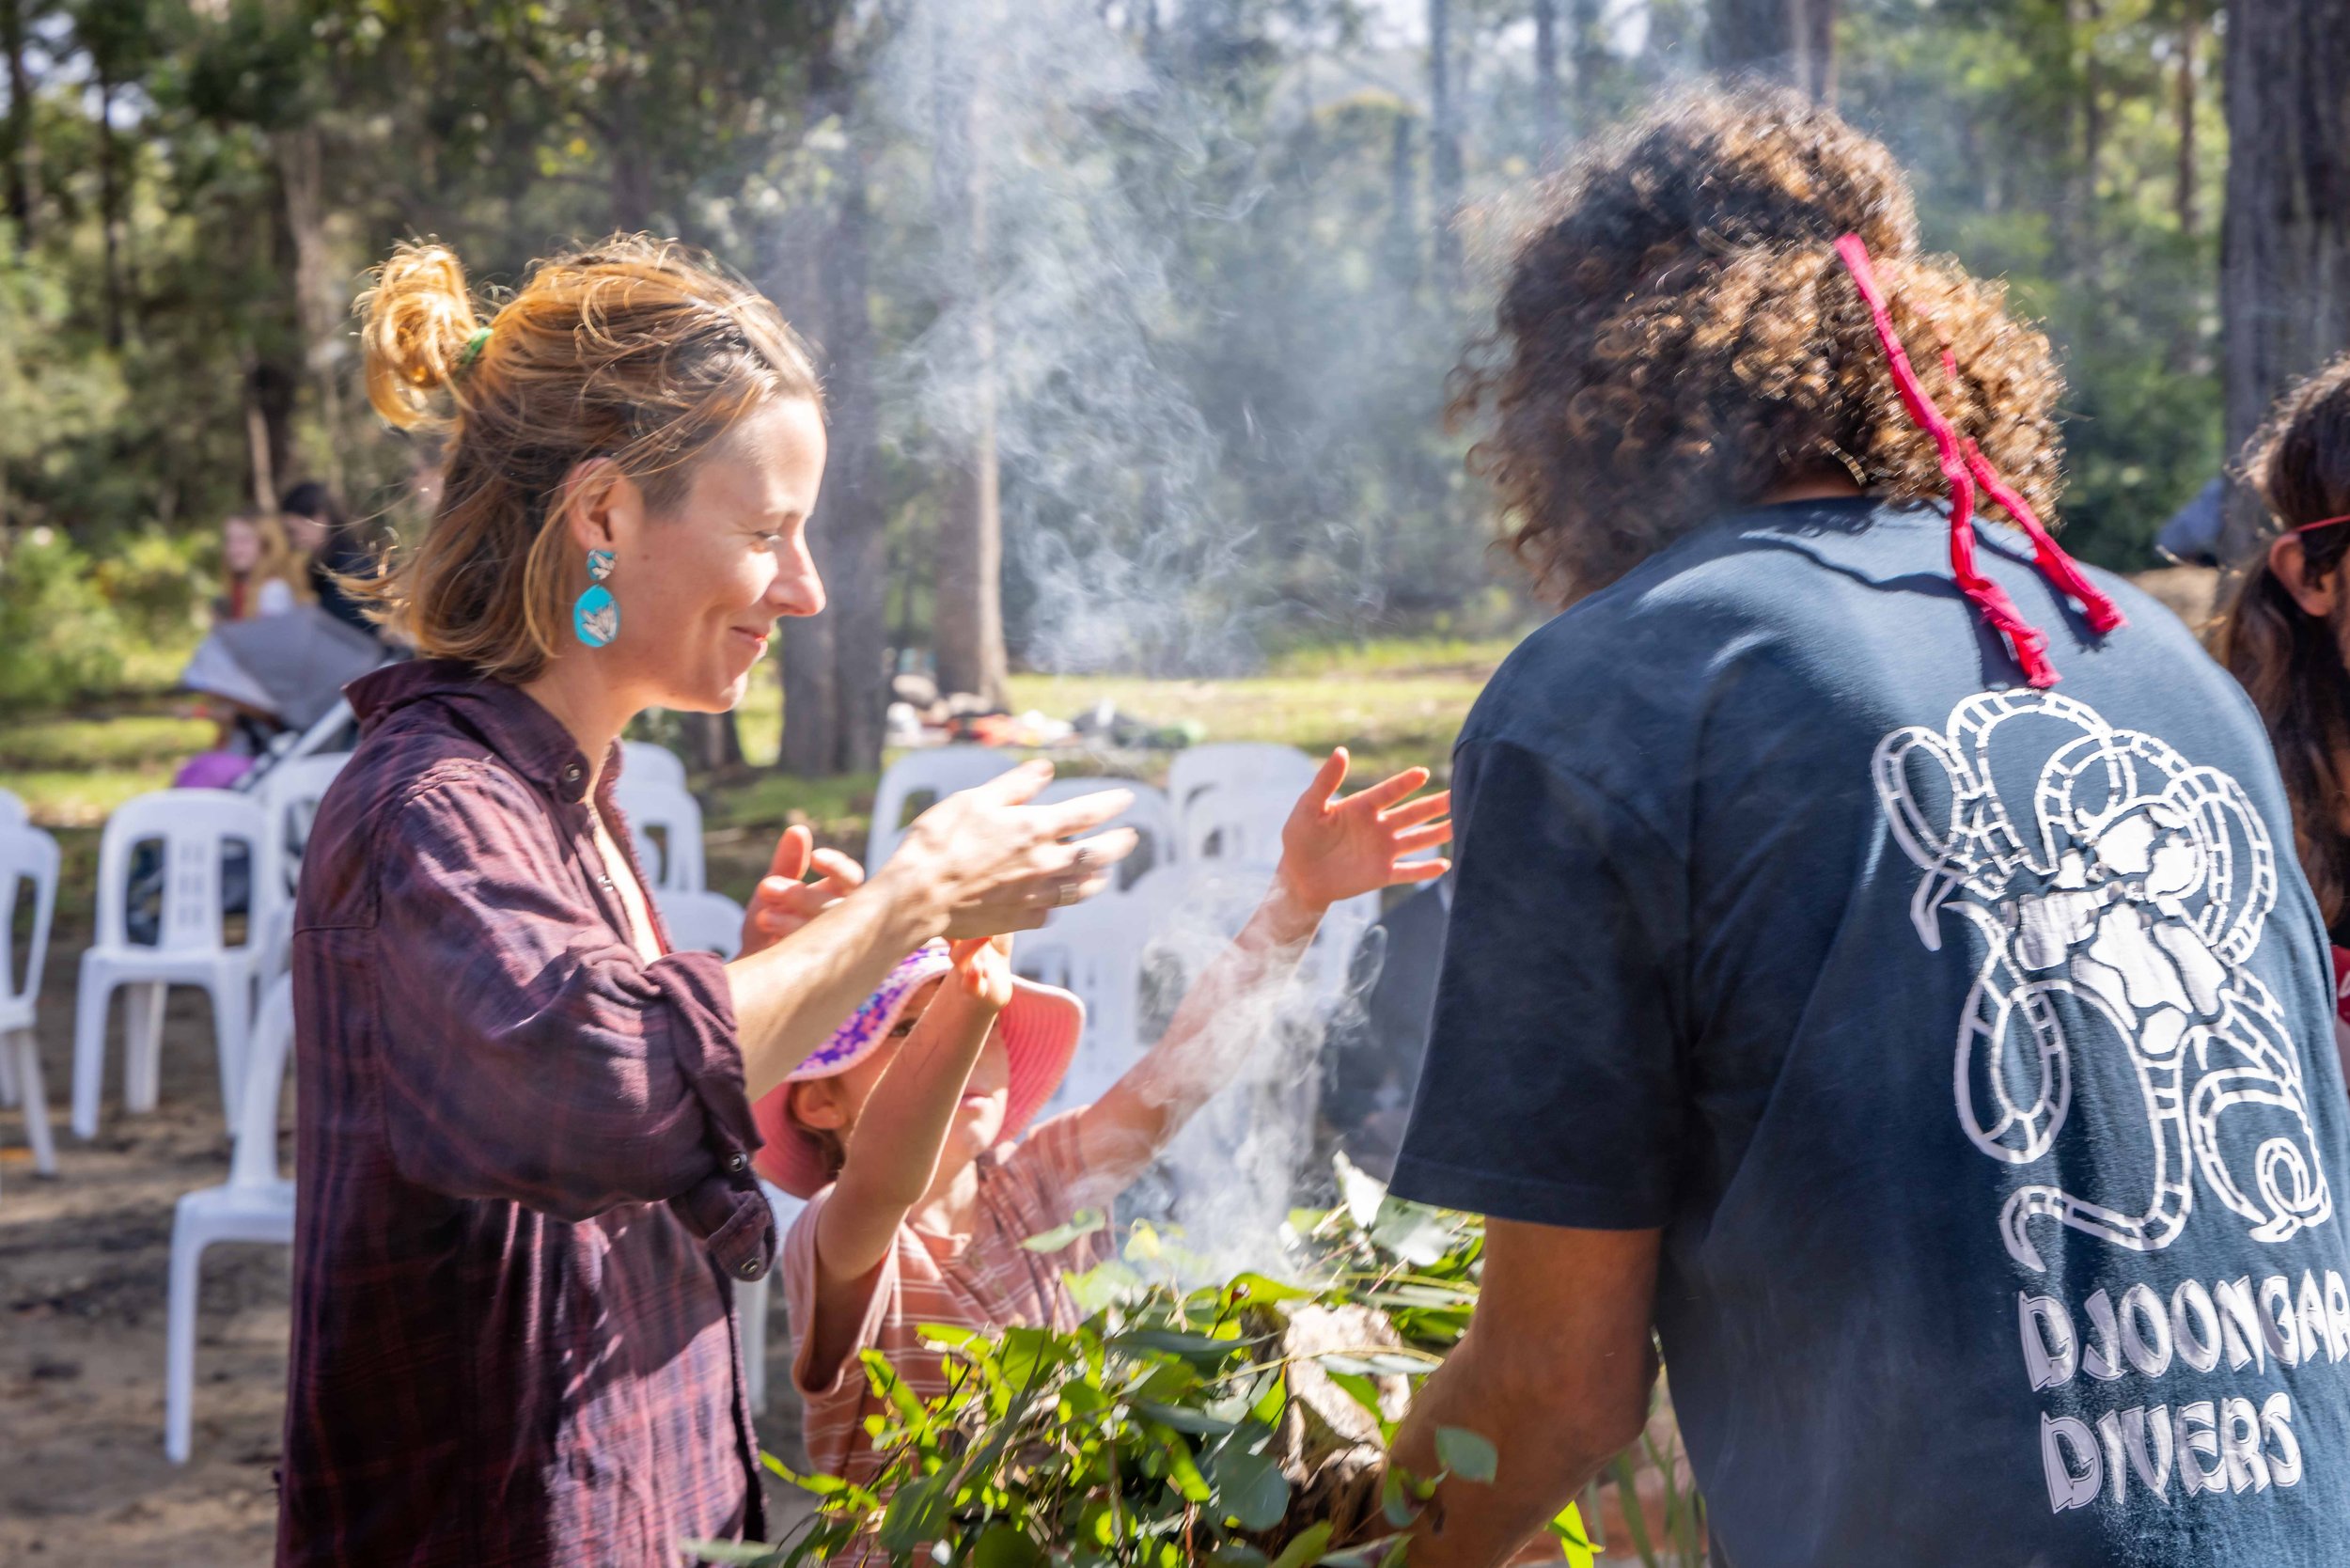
[418, 322]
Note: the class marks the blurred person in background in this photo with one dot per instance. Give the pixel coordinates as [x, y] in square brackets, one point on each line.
[332, 544]
[2286, 634]
[261, 570]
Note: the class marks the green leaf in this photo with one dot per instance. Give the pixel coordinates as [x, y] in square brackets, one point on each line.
[1417, 1235]
[1181, 1468]
[1264, 1290]
[1198, 1422]
[1466, 1454]
[1168, 1341]
[1272, 1404]
[1634, 1516]
[1237, 1554]
[1308, 1548]
[1361, 1389]
[1250, 1489]
[1572, 1538]
[1007, 1546]
[750, 1554]
[1082, 1224]
[1103, 1286]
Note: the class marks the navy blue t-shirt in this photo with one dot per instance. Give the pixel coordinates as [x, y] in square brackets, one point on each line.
[1970, 1044]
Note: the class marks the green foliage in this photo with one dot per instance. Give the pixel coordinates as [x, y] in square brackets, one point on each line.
[59, 639]
[158, 583]
[1175, 1425]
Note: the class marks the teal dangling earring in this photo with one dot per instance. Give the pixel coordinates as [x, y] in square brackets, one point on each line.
[596, 615]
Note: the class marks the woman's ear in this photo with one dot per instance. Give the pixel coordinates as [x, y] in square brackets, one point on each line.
[812, 1103]
[2315, 594]
[604, 508]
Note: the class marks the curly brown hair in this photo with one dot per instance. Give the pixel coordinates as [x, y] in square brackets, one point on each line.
[1676, 335]
[2289, 660]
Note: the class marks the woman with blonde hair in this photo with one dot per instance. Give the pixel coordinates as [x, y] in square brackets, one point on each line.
[265, 574]
[525, 1135]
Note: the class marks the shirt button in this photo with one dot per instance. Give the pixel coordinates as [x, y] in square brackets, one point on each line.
[738, 1162]
[751, 1268]
[572, 772]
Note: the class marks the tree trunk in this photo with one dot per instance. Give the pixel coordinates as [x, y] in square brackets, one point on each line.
[317, 301]
[1753, 38]
[1547, 127]
[110, 207]
[859, 520]
[1588, 44]
[1815, 49]
[968, 624]
[1444, 145]
[2092, 112]
[23, 151]
[2191, 40]
[2285, 271]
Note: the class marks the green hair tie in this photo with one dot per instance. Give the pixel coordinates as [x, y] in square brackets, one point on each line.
[472, 348]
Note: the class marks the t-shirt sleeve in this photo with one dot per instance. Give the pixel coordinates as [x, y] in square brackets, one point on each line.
[1551, 1092]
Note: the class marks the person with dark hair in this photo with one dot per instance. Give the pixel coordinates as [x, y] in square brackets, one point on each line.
[324, 532]
[1872, 966]
[2286, 632]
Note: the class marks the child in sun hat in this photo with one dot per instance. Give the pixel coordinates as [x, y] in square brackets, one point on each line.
[904, 1130]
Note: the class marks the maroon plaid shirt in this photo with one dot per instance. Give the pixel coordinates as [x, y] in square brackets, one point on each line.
[524, 1176]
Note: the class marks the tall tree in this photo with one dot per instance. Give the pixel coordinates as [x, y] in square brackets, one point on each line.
[1444, 141]
[23, 151]
[1786, 40]
[2285, 271]
[2190, 46]
[967, 624]
[1547, 126]
[836, 684]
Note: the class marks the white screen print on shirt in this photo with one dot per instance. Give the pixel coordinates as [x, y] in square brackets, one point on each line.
[2139, 884]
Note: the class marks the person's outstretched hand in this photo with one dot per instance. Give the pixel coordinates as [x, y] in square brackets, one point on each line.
[784, 900]
[991, 862]
[1334, 849]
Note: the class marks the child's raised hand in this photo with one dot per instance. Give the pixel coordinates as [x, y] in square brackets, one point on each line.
[785, 901]
[1334, 849]
[983, 969]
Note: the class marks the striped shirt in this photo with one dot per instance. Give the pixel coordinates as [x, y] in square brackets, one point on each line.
[988, 1281]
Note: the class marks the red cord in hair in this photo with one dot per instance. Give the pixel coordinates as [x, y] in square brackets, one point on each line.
[1963, 465]
[2320, 523]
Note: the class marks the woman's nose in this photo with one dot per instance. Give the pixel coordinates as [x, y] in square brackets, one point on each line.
[798, 589]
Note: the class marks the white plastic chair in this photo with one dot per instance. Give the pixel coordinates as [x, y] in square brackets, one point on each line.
[254, 1204]
[1240, 824]
[703, 922]
[1151, 816]
[919, 779]
[750, 1301]
[643, 762]
[673, 861]
[289, 795]
[193, 825]
[1243, 764]
[1095, 949]
[12, 812]
[28, 864]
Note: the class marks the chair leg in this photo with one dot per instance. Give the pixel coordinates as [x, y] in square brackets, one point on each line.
[9, 1094]
[89, 1048]
[143, 1055]
[187, 1262]
[231, 1026]
[27, 1054]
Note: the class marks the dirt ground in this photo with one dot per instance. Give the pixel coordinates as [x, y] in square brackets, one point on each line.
[83, 1263]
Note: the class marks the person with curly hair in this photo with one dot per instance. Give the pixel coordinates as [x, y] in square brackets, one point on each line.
[1872, 970]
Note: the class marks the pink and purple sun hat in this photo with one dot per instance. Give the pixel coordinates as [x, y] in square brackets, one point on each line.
[1038, 1028]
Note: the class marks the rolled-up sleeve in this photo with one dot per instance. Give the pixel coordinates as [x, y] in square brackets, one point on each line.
[531, 1056]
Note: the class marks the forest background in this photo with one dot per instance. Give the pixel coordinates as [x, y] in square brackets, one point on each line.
[1135, 315]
